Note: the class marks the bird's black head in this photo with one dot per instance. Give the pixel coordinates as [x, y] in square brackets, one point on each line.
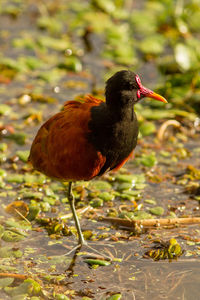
[125, 88]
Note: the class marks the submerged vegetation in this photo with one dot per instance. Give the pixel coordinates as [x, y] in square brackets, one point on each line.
[54, 51]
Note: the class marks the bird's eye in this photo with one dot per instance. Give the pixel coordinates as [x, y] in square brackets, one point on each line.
[138, 94]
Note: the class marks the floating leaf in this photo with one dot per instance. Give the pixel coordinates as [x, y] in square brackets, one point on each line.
[50, 23]
[71, 63]
[6, 252]
[61, 297]
[18, 209]
[1, 230]
[19, 138]
[10, 236]
[33, 212]
[23, 155]
[114, 297]
[165, 250]
[182, 56]
[6, 281]
[147, 128]
[29, 286]
[96, 203]
[157, 210]
[99, 185]
[41, 98]
[97, 262]
[126, 178]
[148, 160]
[4, 109]
[150, 201]
[153, 45]
[125, 186]
[3, 147]
[106, 196]
[15, 178]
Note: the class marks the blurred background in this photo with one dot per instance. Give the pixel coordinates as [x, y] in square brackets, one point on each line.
[54, 51]
[52, 44]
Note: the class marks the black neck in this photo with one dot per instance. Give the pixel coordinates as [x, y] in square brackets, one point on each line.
[120, 105]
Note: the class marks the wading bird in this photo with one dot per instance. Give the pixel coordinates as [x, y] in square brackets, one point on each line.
[91, 137]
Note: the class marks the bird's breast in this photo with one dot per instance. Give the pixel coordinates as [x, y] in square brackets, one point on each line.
[114, 137]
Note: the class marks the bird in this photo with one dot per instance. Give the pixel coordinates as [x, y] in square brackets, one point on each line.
[90, 136]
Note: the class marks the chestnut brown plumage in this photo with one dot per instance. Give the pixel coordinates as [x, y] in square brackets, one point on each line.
[91, 137]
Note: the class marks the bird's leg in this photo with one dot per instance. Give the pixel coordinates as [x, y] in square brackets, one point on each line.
[71, 199]
[81, 240]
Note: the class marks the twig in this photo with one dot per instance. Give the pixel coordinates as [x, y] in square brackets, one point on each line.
[163, 128]
[23, 217]
[13, 275]
[150, 222]
[79, 211]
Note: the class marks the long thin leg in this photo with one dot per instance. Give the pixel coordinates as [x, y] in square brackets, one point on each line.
[81, 240]
[71, 199]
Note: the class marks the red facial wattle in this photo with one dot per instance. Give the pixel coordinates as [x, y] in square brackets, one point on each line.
[138, 94]
[146, 92]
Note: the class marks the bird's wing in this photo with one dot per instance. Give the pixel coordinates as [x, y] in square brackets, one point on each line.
[61, 148]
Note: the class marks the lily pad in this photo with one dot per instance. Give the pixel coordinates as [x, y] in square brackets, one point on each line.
[6, 252]
[4, 109]
[125, 178]
[157, 210]
[29, 286]
[19, 138]
[100, 185]
[6, 281]
[115, 297]
[10, 236]
[15, 178]
[18, 209]
[23, 155]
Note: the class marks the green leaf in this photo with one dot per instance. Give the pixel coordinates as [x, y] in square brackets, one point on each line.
[61, 297]
[3, 147]
[4, 109]
[150, 201]
[114, 297]
[19, 138]
[100, 185]
[6, 281]
[182, 56]
[10, 236]
[1, 231]
[97, 262]
[23, 155]
[50, 23]
[158, 210]
[96, 203]
[107, 6]
[6, 252]
[147, 160]
[29, 286]
[20, 297]
[71, 63]
[153, 44]
[126, 178]
[32, 195]
[147, 128]
[106, 196]
[15, 178]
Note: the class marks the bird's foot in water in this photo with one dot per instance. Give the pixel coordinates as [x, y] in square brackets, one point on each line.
[94, 251]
